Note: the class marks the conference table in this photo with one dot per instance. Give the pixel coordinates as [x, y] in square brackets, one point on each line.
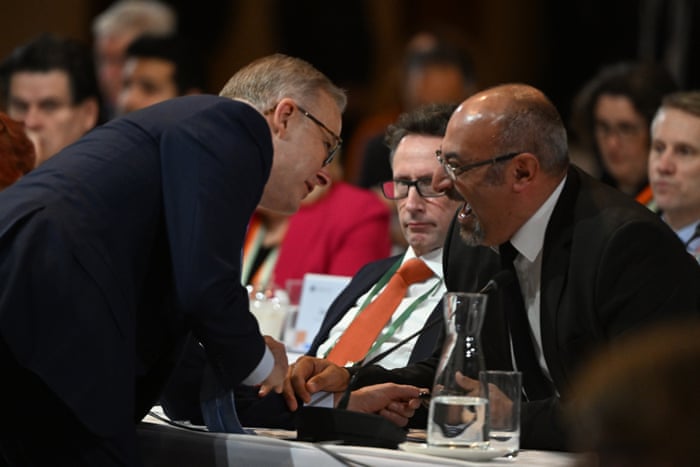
[163, 444]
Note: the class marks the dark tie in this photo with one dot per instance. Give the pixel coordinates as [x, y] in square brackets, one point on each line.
[536, 385]
[357, 339]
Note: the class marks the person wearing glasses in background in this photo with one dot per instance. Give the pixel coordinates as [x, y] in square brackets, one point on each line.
[590, 264]
[119, 247]
[425, 216]
[611, 119]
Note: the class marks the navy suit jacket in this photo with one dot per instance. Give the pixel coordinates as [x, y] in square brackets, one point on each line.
[609, 267]
[122, 243]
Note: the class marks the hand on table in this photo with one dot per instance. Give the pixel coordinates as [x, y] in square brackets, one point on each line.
[395, 402]
[308, 375]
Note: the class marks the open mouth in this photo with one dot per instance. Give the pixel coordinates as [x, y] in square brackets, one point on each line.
[465, 212]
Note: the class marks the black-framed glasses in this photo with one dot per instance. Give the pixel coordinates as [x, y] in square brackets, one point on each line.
[398, 189]
[338, 139]
[454, 172]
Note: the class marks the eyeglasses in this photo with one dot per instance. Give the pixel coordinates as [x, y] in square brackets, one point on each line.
[622, 130]
[338, 139]
[454, 172]
[398, 189]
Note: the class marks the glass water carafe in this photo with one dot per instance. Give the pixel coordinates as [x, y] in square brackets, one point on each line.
[458, 413]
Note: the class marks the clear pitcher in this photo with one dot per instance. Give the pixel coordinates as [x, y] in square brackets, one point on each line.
[458, 414]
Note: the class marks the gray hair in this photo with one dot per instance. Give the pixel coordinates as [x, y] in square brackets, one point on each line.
[136, 17]
[267, 80]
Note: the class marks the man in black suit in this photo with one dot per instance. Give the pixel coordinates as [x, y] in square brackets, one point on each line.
[425, 217]
[591, 263]
[119, 246]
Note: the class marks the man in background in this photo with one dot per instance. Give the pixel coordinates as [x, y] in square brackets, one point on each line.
[49, 84]
[159, 68]
[115, 28]
[674, 165]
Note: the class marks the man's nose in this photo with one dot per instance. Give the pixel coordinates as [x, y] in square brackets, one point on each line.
[33, 119]
[441, 182]
[665, 161]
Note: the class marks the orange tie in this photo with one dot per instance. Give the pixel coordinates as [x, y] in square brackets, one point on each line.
[355, 342]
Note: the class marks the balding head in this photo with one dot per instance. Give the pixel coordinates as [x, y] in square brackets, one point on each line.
[505, 152]
[516, 117]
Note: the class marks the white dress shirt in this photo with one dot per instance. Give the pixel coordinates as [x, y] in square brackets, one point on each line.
[415, 321]
[528, 240]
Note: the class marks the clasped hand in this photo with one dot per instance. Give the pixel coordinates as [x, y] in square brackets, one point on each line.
[309, 375]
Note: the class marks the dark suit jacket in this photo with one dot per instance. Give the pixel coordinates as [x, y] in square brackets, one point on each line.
[609, 267]
[272, 410]
[115, 248]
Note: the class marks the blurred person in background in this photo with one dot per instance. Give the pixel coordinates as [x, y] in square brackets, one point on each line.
[16, 151]
[674, 165]
[636, 404]
[611, 118]
[50, 86]
[115, 28]
[159, 68]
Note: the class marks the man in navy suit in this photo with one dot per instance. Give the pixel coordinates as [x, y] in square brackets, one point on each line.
[425, 217]
[591, 263]
[126, 241]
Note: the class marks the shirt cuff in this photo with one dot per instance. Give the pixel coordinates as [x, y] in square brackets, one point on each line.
[262, 371]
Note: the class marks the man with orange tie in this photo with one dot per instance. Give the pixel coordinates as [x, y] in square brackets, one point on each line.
[390, 299]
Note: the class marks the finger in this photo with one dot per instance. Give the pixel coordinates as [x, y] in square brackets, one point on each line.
[289, 395]
[402, 409]
[394, 417]
[331, 379]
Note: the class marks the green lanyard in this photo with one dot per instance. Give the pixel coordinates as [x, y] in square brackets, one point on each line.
[398, 321]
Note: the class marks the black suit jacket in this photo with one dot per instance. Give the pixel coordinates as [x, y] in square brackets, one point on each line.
[115, 248]
[609, 267]
[272, 411]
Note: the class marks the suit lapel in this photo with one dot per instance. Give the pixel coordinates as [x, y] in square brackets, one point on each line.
[358, 286]
[555, 266]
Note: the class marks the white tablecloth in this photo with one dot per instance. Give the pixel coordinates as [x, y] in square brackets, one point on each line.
[165, 445]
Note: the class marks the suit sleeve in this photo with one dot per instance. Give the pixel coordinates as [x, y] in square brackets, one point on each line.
[214, 167]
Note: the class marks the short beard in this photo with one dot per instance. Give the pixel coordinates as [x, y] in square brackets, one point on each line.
[473, 236]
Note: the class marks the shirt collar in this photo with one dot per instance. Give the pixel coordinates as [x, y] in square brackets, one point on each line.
[684, 233]
[528, 240]
[433, 259]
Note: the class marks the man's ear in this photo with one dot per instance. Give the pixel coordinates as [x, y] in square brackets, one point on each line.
[281, 115]
[90, 110]
[525, 167]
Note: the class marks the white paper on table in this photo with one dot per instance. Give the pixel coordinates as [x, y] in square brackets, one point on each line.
[317, 293]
